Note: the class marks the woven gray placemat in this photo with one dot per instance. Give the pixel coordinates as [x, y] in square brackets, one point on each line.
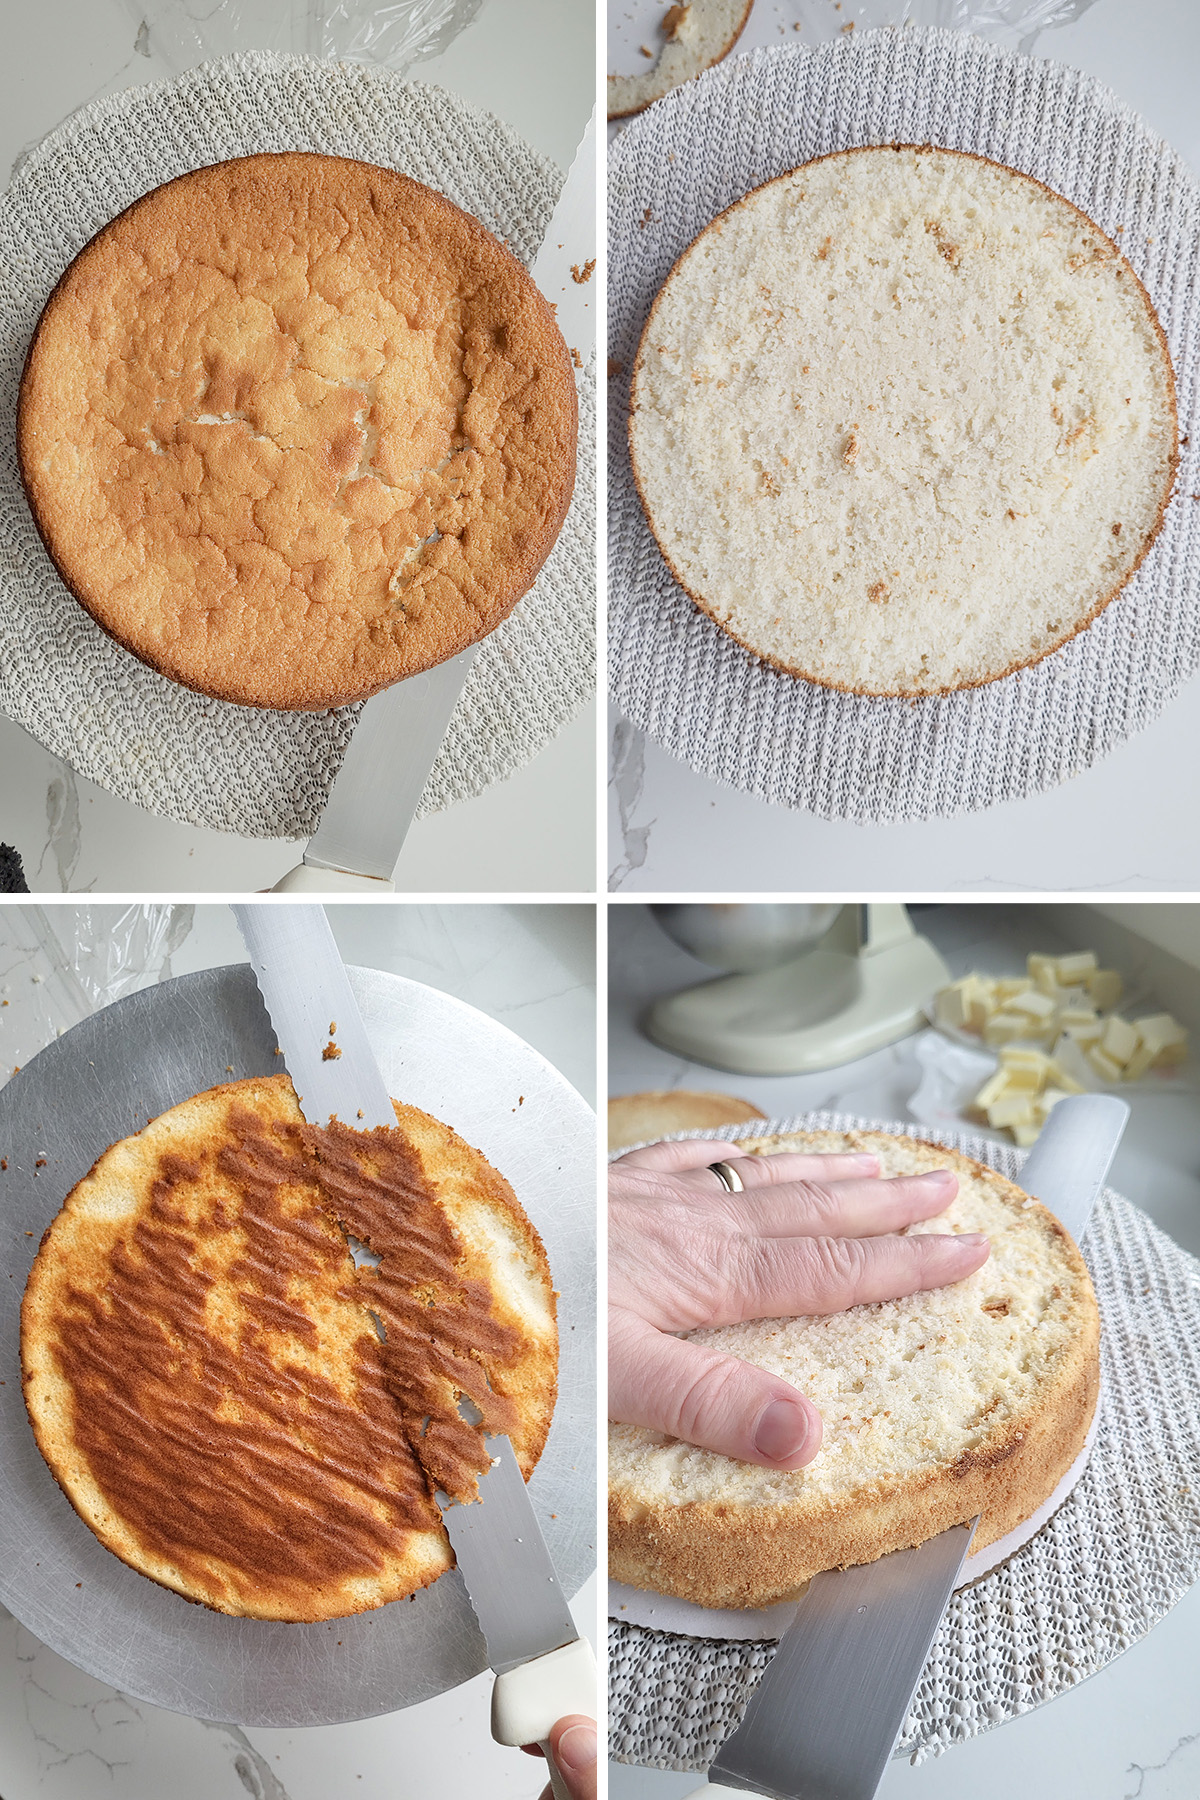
[1113, 1560]
[234, 768]
[674, 672]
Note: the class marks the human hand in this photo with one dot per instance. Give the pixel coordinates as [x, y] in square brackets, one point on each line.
[810, 1234]
[573, 1745]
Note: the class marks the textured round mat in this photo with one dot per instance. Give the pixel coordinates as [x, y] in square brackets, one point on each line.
[675, 673]
[205, 762]
[1113, 1560]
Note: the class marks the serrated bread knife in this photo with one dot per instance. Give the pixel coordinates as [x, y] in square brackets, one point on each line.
[824, 1719]
[544, 1669]
[378, 788]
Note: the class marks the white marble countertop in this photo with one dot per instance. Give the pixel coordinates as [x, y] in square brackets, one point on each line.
[529, 61]
[65, 1736]
[1133, 1731]
[1115, 826]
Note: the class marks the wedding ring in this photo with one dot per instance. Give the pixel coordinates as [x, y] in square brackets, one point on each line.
[728, 1177]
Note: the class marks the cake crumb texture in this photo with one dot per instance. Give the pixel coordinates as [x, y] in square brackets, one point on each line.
[695, 36]
[974, 1398]
[903, 421]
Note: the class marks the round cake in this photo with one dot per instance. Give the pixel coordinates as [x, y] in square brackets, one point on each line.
[969, 1399]
[239, 1410]
[641, 1118]
[295, 427]
[903, 421]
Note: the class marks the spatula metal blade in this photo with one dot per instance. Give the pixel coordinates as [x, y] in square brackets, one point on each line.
[822, 1722]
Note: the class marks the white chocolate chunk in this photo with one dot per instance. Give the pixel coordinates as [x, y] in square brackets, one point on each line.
[1119, 1039]
[1104, 986]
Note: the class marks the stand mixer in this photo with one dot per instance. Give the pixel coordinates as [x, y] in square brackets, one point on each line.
[811, 985]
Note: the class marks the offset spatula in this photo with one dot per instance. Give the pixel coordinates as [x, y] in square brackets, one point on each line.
[544, 1668]
[824, 1719]
[378, 788]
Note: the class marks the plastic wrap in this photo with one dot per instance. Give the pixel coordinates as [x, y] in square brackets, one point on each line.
[1012, 23]
[58, 964]
[182, 33]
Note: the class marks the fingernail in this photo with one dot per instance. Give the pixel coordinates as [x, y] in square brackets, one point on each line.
[577, 1749]
[782, 1430]
[973, 1240]
[864, 1161]
[938, 1178]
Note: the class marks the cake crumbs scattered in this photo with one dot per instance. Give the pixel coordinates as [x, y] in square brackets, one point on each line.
[40, 1163]
[615, 367]
[585, 273]
[645, 219]
[576, 358]
[330, 1053]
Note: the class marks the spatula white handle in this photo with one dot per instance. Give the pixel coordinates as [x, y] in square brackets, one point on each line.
[305, 879]
[528, 1700]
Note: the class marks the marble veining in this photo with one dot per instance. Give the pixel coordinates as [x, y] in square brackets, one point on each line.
[250, 1766]
[1169, 1763]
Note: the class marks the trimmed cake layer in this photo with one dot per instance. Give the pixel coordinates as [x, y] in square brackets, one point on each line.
[903, 421]
[974, 1398]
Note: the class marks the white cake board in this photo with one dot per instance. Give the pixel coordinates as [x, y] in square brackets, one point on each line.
[766, 1624]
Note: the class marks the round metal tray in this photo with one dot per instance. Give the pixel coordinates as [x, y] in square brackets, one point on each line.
[100, 1082]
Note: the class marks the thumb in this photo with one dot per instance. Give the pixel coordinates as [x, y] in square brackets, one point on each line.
[573, 1747]
[716, 1402]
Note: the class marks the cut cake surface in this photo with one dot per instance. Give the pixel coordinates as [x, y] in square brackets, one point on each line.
[974, 1398]
[903, 421]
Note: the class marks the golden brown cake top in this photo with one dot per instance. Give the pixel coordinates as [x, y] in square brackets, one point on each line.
[294, 427]
[236, 1408]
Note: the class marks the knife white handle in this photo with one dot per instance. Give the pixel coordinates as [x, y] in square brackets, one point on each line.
[309, 880]
[528, 1700]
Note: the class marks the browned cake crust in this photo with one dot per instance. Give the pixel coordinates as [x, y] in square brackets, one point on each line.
[238, 1411]
[294, 427]
[732, 1548]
